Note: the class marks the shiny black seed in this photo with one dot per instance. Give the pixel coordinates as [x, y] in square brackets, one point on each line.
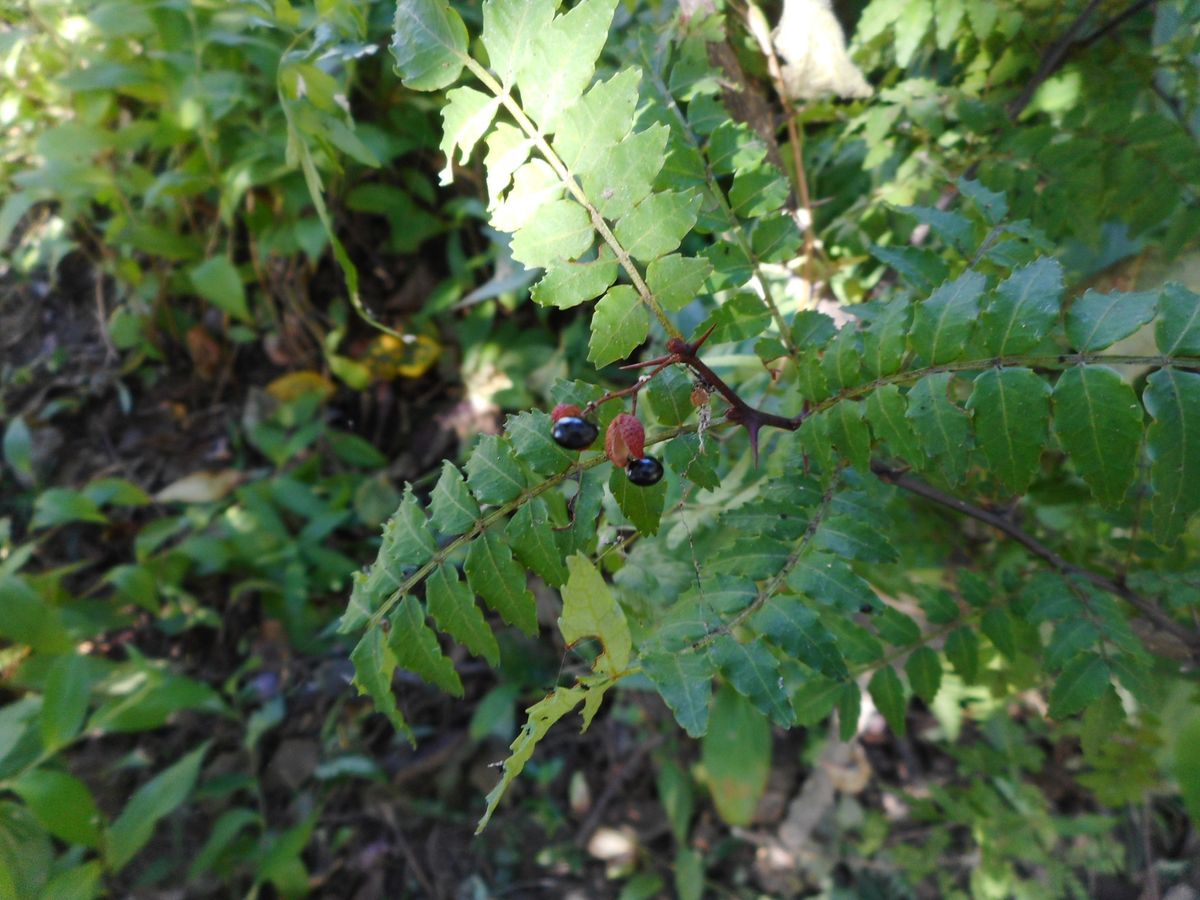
[574, 433]
[645, 471]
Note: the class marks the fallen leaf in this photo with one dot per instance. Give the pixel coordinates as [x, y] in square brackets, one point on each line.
[200, 487]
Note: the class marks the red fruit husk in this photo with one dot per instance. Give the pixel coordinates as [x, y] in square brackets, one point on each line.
[624, 440]
[565, 409]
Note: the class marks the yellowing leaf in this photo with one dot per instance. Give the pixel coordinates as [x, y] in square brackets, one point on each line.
[200, 487]
[590, 610]
[293, 385]
[388, 357]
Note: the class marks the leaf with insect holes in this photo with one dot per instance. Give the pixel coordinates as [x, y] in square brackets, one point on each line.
[590, 610]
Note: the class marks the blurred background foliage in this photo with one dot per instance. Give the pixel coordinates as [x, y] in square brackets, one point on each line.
[202, 199]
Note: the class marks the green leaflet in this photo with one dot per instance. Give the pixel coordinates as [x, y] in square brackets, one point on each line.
[941, 426]
[1099, 423]
[429, 43]
[1070, 638]
[531, 435]
[452, 606]
[684, 679]
[452, 507]
[1081, 683]
[888, 693]
[670, 397]
[814, 700]
[507, 150]
[751, 557]
[850, 537]
[1011, 408]
[540, 718]
[619, 324]
[658, 224]
[849, 707]
[887, 415]
[465, 118]
[842, 362]
[1178, 328]
[895, 627]
[500, 581]
[553, 72]
[736, 752]
[962, 650]
[590, 610]
[923, 269]
[374, 666]
[416, 648]
[1096, 321]
[754, 672]
[943, 322]
[1172, 397]
[786, 622]
[533, 185]
[676, 280]
[532, 538]
[569, 283]
[857, 644]
[622, 178]
[924, 671]
[992, 204]
[509, 27]
[562, 229]
[885, 342]
[997, 624]
[1024, 309]
[849, 434]
[831, 582]
[492, 473]
[643, 506]
[601, 118]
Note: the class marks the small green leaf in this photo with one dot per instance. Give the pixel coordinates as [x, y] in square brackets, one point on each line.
[751, 557]
[532, 537]
[658, 224]
[941, 426]
[59, 506]
[849, 706]
[374, 666]
[18, 448]
[853, 538]
[569, 283]
[849, 434]
[1096, 321]
[453, 509]
[1172, 397]
[590, 610]
[1011, 408]
[65, 700]
[1178, 328]
[831, 582]
[1099, 424]
[786, 622]
[924, 670]
[553, 72]
[619, 324]
[885, 342]
[997, 624]
[623, 177]
[887, 411]
[561, 230]
[1024, 309]
[676, 280]
[684, 680]
[452, 607]
[407, 539]
[670, 397]
[218, 282]
[814, 700]
[736, 753]
[888, 693]
[943, 323]
[643, 506]
[895, 627]
[991, 204]
[429, 43]
[1082, 682]
[922, 269]
[154, 800]
[416, 648]
[962, 649]
[601, 118]
[540, 718]
[508, 149]
[492, 473]
[62, 804]
[754, 673]
[465, 118]
[509, 29]
[501, 582]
